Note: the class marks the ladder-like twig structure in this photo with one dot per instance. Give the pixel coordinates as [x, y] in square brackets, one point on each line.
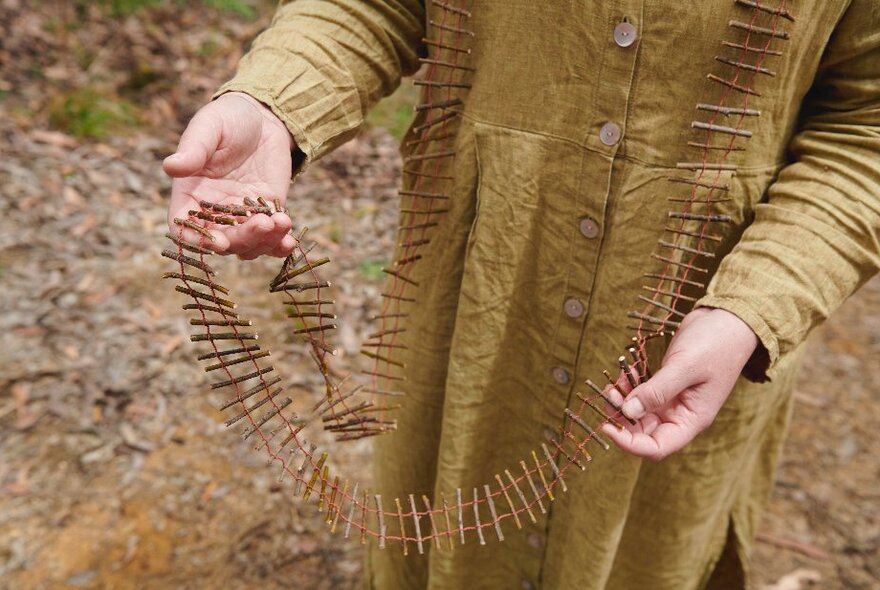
[674, 279]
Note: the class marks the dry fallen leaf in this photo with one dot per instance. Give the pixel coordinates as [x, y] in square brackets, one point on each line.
[24, 417]
[171, 344]
[90, 221]
[154, 311]
[19, 486]
[208, 492]
[799, 579]
[55, 138]
[20, 393]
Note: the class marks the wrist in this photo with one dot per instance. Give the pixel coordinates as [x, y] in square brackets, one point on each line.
[737, 331]
[265, 112]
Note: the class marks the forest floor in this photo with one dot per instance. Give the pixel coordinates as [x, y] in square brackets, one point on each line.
[115, 468]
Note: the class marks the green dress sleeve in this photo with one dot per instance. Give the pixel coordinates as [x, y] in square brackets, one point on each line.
[816, 238]
[322, 64]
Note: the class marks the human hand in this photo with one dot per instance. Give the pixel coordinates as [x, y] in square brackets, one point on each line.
[234, 147]
[696, 376]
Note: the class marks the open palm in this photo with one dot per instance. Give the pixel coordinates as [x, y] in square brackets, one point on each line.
[233, 148]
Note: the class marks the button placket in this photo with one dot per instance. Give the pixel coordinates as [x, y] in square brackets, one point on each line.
[603, 139]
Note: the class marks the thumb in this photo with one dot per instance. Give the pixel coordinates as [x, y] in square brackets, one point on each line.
[657, 391]
[197, 144]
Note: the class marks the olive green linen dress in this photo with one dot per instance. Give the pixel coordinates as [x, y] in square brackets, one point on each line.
[526, 283]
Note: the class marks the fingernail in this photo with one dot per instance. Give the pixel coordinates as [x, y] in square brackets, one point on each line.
[633, 408]
[221, 242]
[609, 430]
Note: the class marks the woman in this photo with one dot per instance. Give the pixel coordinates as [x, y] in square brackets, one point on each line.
[567, 120]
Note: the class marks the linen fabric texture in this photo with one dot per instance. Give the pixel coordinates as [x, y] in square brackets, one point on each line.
[489, 326]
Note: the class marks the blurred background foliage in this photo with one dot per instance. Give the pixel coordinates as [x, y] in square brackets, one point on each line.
[125, 7]
[115, 468]
[86, 102]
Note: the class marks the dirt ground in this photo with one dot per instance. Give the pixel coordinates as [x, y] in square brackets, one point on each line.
[115, 468]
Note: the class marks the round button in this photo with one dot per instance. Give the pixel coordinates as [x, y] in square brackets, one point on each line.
[573, 308]
[536, 541]
[561, 376]
[589, 228]
[625, 34]
[526, 585]
[609, 134]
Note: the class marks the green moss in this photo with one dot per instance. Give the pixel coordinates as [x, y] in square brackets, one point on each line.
[85, 56]
[334, 232]
[89, 112]
[208, 48]
[395, 113]
[119, 8]
[122, 8]
[372, 269]
[240, 7]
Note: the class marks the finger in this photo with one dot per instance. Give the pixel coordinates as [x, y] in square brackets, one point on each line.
[657, 391]
[622, 383]
[258, 235]
[283, 223]
[613, 398]
[615, 393]
[250, 234]
[284, 247]
[219, 243]
[666, 439]
[646, 424]
[249, 256]
[649, 423]
[616, 390]
[197, 144]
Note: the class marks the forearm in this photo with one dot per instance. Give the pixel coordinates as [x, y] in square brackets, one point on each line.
[816, 239]
[322, 64]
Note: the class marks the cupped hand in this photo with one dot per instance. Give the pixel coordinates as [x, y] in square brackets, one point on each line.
[234, 147]
[685, 395]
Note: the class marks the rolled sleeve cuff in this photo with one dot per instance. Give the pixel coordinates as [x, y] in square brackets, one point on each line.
[319, 105]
